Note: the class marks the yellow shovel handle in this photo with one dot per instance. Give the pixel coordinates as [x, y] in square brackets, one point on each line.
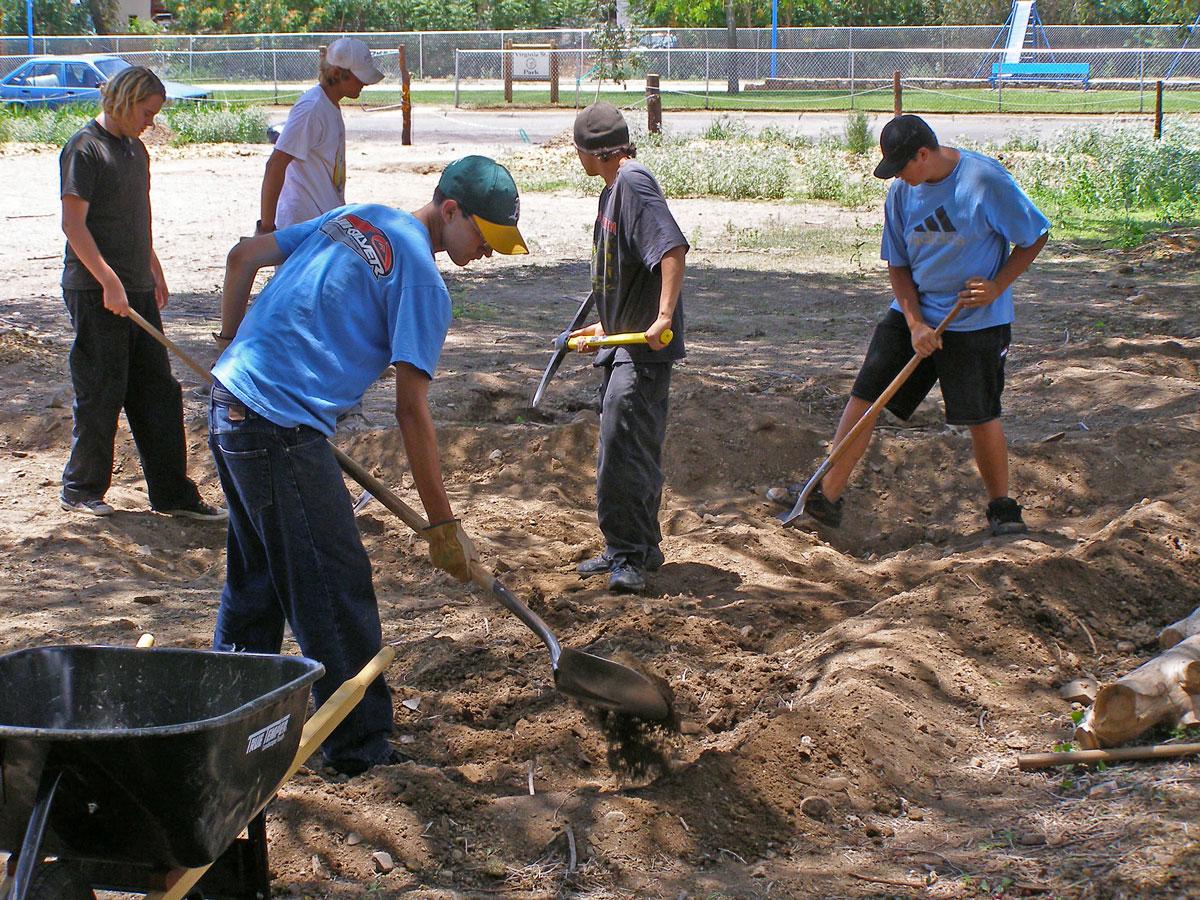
[618, 340]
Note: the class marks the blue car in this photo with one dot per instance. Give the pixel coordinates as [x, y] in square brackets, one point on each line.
[55, 80]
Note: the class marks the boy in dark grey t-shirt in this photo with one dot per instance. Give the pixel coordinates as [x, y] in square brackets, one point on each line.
[637, 271]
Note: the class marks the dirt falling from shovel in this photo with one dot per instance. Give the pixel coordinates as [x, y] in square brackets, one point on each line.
[639, 750]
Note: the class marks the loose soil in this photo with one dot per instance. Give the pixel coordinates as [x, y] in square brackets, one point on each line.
[851, 703]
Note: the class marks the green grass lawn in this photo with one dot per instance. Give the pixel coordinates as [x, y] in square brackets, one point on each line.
[917, 100]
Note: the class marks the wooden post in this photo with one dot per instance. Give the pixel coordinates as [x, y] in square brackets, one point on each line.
[653, 105]
[897, 98]
[321, 60]
[554, 72]
[405, 100]
[506, 65]
[1158, 89]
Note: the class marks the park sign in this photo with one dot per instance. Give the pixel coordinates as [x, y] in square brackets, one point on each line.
[530, 62]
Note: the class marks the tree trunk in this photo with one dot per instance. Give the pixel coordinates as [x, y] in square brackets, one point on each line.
[1184, 628]
[104, 15]
[1166, 689]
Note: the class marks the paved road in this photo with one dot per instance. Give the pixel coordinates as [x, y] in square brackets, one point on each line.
[446, 125]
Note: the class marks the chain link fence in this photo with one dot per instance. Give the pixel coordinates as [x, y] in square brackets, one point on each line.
[848, 64]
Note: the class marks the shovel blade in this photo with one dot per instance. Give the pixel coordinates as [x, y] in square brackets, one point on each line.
[787, 518]
[602, 682]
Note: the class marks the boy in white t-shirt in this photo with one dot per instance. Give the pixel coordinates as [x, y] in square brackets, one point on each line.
[306, 172]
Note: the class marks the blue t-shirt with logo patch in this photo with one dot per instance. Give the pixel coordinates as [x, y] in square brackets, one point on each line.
[359, 291]
[957, 229]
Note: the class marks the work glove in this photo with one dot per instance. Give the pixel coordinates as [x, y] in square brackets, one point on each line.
[450, 549]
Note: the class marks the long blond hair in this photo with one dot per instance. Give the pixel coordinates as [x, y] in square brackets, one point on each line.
[129, 87]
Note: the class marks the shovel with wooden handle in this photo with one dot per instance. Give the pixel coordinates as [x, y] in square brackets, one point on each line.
[862, 424]
[592, 679]
[316, 729]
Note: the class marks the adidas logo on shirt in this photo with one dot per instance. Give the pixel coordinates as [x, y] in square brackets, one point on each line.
[939, 221]
[936, 229]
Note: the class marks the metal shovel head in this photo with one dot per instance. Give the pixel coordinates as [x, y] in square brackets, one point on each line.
[603, 682]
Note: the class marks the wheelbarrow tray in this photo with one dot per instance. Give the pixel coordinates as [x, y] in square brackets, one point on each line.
[165, 754]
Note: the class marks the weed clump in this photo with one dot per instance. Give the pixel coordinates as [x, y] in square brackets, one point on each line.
[224, 124]
[860, 140]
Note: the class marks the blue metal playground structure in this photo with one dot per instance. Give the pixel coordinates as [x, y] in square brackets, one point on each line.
[1024, 35]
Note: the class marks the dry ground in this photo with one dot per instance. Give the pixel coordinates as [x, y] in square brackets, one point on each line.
[892, 670]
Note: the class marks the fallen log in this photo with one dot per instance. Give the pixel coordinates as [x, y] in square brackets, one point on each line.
[1165, 689]
[1181, 630]
[1030, 761]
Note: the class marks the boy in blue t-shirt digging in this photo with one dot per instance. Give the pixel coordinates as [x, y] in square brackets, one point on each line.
[357, 290]
[949, 221]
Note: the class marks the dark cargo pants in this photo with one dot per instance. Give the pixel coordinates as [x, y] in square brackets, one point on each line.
[634, 401]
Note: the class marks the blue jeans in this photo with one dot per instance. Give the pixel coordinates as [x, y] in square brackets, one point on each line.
[294, 554]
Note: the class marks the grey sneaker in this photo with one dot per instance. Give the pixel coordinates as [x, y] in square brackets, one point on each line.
[1004, 517]
[626, 579]
[95, 507]
[598, 565]
[353, 421]
[200, 511]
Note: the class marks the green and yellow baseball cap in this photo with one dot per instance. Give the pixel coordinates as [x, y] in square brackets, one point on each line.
[487, 192]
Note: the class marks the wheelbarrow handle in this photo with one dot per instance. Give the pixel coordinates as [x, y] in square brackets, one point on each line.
[316, 729]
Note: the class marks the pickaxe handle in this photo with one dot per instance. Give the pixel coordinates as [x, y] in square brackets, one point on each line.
[864, 423]
[616, 340]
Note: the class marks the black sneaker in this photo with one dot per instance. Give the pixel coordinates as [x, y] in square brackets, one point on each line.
[598, 565]
[354, 767]
[200, 511]
[1004, 517]
[817, 505]
[95, 507]
[826, 511]
[626, 579]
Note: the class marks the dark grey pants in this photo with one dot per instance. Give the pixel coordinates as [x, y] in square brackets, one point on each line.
[114, 366]
[634, 400]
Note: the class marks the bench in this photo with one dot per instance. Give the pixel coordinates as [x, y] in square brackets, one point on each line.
[1073, 72]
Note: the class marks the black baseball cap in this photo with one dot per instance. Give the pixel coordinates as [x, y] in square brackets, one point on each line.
[900, 140]
[487, 192]
[600, 127]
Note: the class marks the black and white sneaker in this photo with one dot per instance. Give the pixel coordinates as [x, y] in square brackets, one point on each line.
[1004, 517]
[200, 511]
[95, 507]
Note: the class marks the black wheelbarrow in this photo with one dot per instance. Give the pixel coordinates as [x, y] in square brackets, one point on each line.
[138, 769]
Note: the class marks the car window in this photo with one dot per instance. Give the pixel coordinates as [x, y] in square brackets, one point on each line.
[38, 75]
[82, 75]
[111, 67]
[44, 75]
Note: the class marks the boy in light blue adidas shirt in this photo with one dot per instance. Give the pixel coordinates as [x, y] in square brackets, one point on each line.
[957, 230]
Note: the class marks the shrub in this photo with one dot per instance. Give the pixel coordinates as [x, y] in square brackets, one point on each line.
[45, 126]
[859, 137]
[211, 124]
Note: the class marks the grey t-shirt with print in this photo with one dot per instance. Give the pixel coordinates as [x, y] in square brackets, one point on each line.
[634, 230]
